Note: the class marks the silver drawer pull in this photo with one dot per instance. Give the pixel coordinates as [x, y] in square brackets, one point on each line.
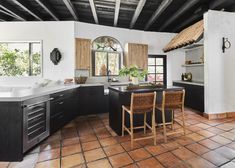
[60, 103]
[34, 104]
[61, 95]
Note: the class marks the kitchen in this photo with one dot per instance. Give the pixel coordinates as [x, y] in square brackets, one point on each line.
[88, 103]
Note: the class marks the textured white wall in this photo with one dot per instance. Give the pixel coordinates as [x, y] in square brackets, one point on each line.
[61, 35]
[54, 35]
[156, 42]
[219, 67]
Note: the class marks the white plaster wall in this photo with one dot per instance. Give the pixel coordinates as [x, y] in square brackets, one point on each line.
[54, 35]
[61, 35]
[156, 42]
[219, 67]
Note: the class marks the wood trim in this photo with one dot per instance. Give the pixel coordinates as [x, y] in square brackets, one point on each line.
[219, 115]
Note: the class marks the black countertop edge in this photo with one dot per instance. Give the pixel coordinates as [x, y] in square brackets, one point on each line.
[123, 89]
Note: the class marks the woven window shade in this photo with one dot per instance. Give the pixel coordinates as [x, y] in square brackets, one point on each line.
[186, 37]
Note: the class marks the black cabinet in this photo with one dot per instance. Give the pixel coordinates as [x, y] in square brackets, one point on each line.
[92, 100]
[64, 108]
[194, 95]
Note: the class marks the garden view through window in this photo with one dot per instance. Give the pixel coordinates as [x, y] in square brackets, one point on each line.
[157, 69]
[20, 59]
[107, 53]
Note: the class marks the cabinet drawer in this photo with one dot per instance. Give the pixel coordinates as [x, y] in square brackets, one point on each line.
[56, 122]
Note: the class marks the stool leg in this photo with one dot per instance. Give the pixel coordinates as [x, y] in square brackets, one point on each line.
[154, 128]
[144, 123]
[132, 132]
[172, 120]
[164, 125]
[183, 119]
[123, 121]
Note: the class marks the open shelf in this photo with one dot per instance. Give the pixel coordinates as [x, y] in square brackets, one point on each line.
[192, 65]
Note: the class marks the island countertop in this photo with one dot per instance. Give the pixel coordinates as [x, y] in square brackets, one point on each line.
[124, 89]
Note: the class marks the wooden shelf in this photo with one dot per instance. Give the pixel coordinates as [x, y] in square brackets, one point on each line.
[192, 65]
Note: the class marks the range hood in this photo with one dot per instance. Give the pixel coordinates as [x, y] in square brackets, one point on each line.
[190, 37]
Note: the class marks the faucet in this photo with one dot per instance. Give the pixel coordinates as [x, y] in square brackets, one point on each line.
[109, 79]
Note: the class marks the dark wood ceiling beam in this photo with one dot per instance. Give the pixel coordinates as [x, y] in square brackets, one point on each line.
[162, 7]
[219, 3]
[7, 13]
[2, 19]
[192, 19]
[71, 9]
[187, 5]
[10, 9]
[27, 8]
[116, 14]
[93, 9]
[214, 5]
[138, 10]
[47, 7]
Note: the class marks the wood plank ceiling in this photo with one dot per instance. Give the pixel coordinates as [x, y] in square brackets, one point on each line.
[148, 15]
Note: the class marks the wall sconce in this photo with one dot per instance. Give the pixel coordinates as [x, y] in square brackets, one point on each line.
[226, 44]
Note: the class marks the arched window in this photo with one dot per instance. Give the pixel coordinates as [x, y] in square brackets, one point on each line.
[106, 56]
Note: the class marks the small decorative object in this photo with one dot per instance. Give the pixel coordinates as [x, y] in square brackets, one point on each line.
[80, 80]
[226, 44]
[134, 72]
[68, 81]
[55, 56]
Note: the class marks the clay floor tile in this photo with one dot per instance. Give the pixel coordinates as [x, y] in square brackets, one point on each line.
[90, 145]
[120, 160]
[93, 155]
[113, 149]
[139, 154]
[50, 163]
[72, 160]
[103, 163]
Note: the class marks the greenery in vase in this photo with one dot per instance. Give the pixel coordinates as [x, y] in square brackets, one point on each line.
[133, 71]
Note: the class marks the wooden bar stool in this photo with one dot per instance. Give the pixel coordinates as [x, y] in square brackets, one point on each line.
[172, 100]
[141, 103]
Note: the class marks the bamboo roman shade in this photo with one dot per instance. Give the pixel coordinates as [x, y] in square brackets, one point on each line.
[186, 37]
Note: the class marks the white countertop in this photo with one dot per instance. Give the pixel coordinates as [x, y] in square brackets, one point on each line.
[21, 94]
[191, 83]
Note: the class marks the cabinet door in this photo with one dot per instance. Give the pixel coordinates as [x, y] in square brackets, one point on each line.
[83, 53]
[137, 54]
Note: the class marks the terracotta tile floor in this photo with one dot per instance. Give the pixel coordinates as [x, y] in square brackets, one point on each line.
[89, 142]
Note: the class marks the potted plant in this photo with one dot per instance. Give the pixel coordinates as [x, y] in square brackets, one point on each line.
[134, 73]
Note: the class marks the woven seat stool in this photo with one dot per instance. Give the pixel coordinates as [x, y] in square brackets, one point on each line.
[141, 103]
[172, 100]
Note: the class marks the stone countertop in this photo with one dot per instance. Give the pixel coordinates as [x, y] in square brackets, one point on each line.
[123, 89]
[8, 94]
[24, 93]
[190, 83]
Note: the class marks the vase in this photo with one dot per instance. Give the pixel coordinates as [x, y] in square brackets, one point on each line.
[134, 80]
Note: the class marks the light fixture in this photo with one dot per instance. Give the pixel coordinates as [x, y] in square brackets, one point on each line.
[226, 44]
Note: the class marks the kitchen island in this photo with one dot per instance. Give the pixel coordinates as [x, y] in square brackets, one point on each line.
[121, 95]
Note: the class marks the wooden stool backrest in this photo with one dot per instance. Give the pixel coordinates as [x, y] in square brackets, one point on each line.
[143, 102]
[173, 99]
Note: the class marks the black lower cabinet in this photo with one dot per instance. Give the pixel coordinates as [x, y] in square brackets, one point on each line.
[194, 96]
[92, 100]
[64, 108]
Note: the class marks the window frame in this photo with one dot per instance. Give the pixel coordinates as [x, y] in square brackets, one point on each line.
[41, 59]
[164, 57]
[107, 61]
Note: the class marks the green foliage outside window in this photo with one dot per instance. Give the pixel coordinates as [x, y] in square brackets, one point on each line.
[17, 62]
